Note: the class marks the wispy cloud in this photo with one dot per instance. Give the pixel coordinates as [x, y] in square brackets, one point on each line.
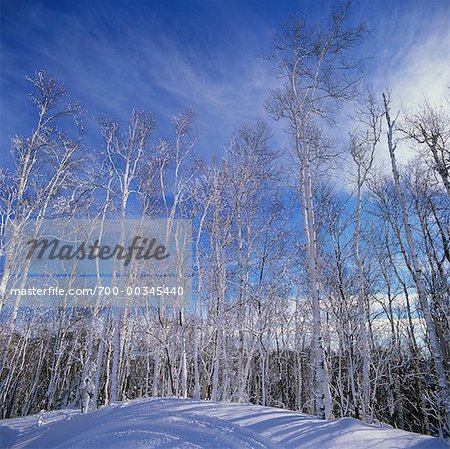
[207, 56]
[143, 64]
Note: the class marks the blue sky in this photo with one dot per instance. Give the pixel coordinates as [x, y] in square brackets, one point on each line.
[163, 56]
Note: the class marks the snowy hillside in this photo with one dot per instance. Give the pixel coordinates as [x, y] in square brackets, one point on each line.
[185, 424]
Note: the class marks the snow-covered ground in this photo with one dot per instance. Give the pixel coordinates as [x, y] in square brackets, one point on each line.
[186, 424]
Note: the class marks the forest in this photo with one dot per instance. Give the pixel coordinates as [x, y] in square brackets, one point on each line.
[320, 268]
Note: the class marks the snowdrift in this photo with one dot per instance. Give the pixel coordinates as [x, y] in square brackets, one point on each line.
[186, 424]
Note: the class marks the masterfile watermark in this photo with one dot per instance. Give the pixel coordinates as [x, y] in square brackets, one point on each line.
[86, 263]
[54, 249]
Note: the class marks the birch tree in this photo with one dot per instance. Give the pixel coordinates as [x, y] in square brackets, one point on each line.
[362, 149]
[48, 147]
[415, 266]
[429, 127]
[124, 152]
[316, 78]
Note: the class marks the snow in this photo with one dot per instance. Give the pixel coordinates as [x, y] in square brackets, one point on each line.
[186, 424]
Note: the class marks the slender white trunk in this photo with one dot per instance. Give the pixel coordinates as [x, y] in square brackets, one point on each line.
[219, 327]
[184, 390]
[156, 363]
[216, 367]
[196, 306]
[196, 368]
[100, 356]
[361, 307]
[311, 244]
[116, 355]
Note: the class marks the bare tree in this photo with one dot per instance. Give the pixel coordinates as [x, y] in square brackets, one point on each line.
[362, 149]
[48, 148]
[317, 78]
[431, 130]
[416, 270]
[124, 153]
